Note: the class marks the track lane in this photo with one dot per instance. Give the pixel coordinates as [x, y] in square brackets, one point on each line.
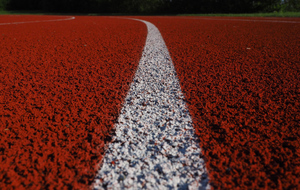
[241, 82]
[155, 146]
[61, 89]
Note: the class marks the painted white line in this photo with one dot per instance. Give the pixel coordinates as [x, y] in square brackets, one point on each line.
[155, 146]
[36, 21]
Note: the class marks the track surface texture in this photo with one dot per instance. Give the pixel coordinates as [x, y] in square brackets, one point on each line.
[241, 82]
[62, 84]
[25, 19]
[155, 146]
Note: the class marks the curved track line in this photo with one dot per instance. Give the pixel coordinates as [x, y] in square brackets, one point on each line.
[37, 21]
[155, 146]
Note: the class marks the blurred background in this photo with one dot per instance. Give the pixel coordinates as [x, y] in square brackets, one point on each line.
[151, 6]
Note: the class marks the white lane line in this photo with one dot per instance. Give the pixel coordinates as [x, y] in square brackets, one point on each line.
[155, 146]
[36, 21]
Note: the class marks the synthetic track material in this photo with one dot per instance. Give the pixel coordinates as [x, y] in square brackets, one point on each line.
[155, 146]
[240, 78]
[241, 81]
[61, 89]
[245, 19]
[16, 20]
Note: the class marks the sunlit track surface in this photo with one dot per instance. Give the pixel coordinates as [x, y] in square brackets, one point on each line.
[61, 89]
[241, 84]
[155, 146]
[62, 85]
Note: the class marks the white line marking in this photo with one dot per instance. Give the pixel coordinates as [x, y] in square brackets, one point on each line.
[36, 21]
[155, 146]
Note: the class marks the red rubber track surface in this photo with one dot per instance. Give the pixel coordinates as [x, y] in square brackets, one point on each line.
[28, 18]
[61, 89]
[241, 81]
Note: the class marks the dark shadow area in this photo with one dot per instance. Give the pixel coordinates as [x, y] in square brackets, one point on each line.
[148, 7]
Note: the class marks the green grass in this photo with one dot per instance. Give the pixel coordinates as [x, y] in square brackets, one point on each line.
[2, 12]
[273, 14]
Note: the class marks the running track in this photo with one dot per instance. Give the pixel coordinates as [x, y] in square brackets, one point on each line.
[239, 77]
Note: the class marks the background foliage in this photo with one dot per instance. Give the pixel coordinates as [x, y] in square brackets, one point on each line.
[151, 6]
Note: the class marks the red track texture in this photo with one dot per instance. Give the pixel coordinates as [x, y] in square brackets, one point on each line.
[61, 89]
[29, 18]
[241, 81]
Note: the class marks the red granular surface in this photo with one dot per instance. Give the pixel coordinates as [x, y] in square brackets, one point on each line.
[61, 88]
[242, 85]
[29, 18]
